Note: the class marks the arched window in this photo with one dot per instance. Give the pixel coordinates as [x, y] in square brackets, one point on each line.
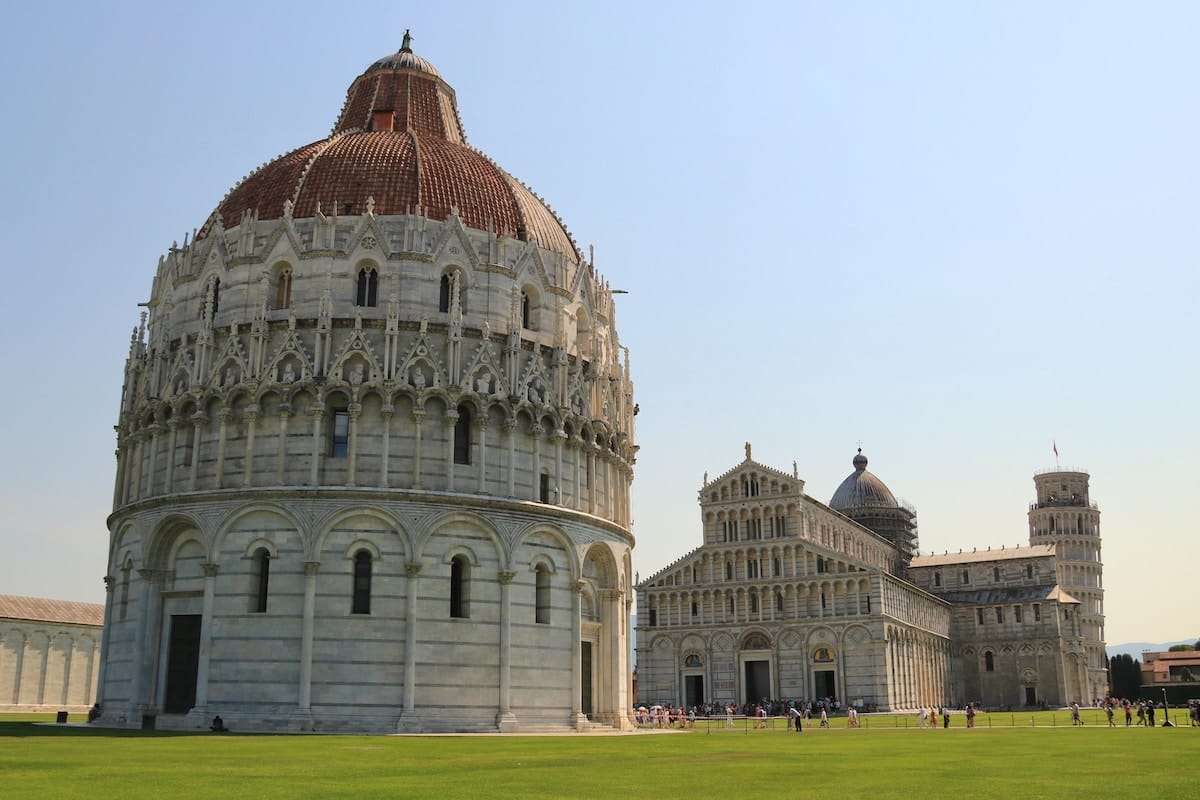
[989, 661]
[728, 570]
[460, 575]
[753, 604]
[367, 291]
[525, 311]
[262, 579]
[779, 602]
[462, 436]
[541, 614]
[214, 296]
[339, 433]
[449, 289]
[361, 603]
[283, 288]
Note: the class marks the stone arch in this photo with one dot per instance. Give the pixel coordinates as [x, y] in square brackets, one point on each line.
[229, 523]
[522, 538]
[168, 537]
[330, 524]
[431, 528]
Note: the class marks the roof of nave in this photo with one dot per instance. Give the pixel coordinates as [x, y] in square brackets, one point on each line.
[37, 609]
[398, 147]
[1007, 594]
[979, 556]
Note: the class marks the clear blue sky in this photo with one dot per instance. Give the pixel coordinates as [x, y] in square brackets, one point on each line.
[955, 232]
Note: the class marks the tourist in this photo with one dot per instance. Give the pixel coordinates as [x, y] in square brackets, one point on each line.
[794, 716]
[945, 717]
[1075, 720]
[970, 716]
[824, 717]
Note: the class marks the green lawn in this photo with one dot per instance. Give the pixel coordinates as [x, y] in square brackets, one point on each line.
[879, 761]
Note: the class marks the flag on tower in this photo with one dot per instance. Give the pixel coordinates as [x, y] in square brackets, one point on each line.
[1056, 449]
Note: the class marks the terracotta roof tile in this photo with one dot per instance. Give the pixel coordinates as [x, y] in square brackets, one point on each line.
[37, 609]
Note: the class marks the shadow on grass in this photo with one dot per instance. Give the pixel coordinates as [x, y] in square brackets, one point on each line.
[29, 730]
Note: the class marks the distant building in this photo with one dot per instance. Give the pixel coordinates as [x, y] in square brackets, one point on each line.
[49, 654]
[1177, 671]
[788, 598]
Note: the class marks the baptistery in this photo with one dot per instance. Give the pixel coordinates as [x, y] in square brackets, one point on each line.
[374, 451]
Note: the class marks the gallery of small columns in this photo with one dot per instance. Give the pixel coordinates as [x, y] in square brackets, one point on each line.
[823, 599]
[584, 471]
[43, 670]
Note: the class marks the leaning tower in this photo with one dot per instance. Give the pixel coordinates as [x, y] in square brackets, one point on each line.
[1065, 516]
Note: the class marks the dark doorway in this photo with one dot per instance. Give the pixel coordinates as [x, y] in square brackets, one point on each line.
[585, 677]
[183, 662]
[824, 683]
[694, 689]
[758, 681]
[1031, 695]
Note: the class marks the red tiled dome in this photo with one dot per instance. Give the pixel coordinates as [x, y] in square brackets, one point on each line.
[399, 142]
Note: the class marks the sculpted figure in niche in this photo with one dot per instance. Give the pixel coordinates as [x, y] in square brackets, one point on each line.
[535, 396]
[356, 374]
[418, 378]
[483, 384]
[229, 378]
[289, 374]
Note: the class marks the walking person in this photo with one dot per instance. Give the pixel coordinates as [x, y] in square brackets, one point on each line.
[794, 716]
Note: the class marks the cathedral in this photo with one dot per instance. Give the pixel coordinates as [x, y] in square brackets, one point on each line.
[374, 450]
[789, 598]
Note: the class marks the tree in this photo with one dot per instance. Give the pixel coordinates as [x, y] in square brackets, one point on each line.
[1181, 648]
[1124, 676]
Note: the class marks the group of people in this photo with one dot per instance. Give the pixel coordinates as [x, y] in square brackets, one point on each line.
[1142, 709]
[929, 716]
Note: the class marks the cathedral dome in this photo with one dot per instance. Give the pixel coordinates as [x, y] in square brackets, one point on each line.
[397, 147]
[862, 489]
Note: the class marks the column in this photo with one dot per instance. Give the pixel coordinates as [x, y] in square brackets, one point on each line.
[224, 415]
[577, 656]
[251, 415]
[304, 700]
[155, 431]
[109, 583]
[173, 424]
[510, 436]
[480, 424]
[210, 579]
[199, 420]
[354, 411]
[412, 570]
[418, 416]
[506, 721]
[285, 412]
[146, 641]
[448, 423]
[535, 480]
[386, 412]
[314, 474]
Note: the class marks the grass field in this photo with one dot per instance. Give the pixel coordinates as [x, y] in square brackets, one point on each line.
[878, 761]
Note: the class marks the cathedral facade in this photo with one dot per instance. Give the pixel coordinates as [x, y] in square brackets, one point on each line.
[374, 450]
[789, 598]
